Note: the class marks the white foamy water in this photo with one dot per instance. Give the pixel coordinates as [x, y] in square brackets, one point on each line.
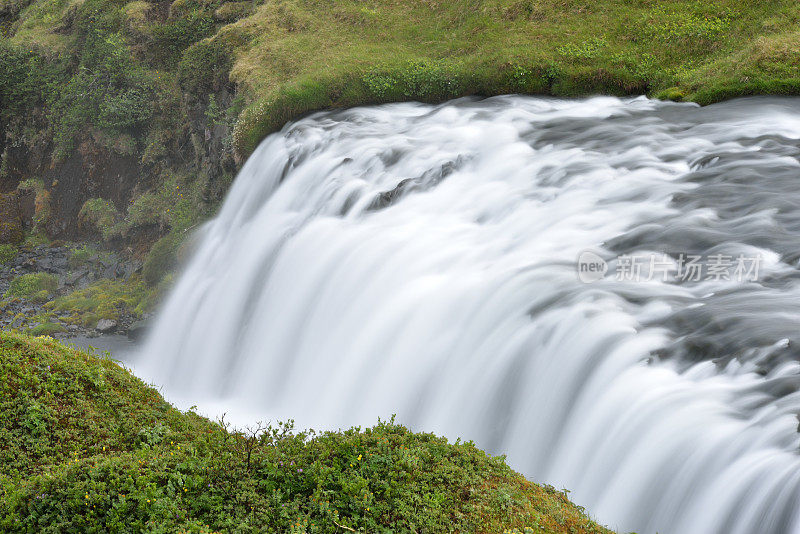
[421, 260]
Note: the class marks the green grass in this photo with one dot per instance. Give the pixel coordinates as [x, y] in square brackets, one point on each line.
[8, 253]
[36, 285]
[87, 447]
[84, 255]
[291, 56]
[46, 329]
[430, 51]
[104, 299]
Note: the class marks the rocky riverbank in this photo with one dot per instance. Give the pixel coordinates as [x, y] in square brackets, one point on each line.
[67, 290]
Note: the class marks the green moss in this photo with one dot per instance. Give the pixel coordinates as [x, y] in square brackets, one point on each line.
[85, 446]
[46, 329]
[102, 214]
[81, 256]
[8, 253]
[163, 258]
[104, 299]
[32, 285]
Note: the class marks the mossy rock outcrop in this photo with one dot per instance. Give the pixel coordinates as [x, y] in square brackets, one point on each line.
[12, 228]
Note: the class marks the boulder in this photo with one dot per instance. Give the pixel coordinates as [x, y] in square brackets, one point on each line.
[106, 325]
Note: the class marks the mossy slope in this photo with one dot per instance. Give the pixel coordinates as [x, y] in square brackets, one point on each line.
[87, 447]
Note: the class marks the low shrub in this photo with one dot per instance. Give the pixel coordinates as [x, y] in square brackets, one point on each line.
[172, 38]
[204, 68]
[162, 258]
[85, 446]
[102, 214]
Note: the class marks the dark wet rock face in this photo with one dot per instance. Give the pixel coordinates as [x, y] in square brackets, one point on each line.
[427, 180]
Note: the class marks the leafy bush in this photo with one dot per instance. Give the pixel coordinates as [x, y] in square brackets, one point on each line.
[102, 214]
[204, 68]
[28, 285]
[85, 446]
[162, 259]
[172, 38]
[27, 81]
[110, 90]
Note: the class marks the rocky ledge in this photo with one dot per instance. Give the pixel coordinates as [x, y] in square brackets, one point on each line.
[57, 289]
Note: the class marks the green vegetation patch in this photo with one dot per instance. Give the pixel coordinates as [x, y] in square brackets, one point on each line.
[85, 255]
[60, 406]
[46, 329]
[35, 285]
[409, 50]
[8, 253]
[104, 299]
[88, 447]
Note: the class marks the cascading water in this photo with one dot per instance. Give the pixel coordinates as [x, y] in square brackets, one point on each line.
[421, 260]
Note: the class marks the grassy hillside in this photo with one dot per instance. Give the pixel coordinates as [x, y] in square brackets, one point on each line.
[87, 447]
[301, 55]
[290, 56]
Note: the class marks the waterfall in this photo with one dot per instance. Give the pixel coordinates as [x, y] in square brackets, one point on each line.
[423, 261]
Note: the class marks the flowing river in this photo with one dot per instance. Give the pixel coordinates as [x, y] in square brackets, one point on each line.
[605, 290]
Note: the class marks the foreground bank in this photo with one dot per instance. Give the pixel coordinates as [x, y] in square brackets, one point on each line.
[85, 446]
